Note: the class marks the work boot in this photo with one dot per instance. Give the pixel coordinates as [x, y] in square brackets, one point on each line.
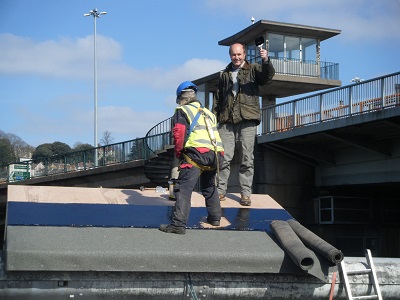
[222, 198]
[213, 223]
[169, 228]
[245, 200]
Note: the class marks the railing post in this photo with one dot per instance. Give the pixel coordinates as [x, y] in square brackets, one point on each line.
[350, 95]
[123, 152]
[144, 149]
[46, 168]
[84, 160]
[318, 50]
[104, 156]
[320, 108]
[383, 92]
[8, 173]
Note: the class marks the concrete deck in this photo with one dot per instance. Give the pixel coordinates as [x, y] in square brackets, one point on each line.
[147, 197]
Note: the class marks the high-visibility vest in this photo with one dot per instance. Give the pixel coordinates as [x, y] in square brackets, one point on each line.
[199, 136]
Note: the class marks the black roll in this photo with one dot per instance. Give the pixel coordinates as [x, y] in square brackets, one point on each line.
[292, 245]
[315, 243]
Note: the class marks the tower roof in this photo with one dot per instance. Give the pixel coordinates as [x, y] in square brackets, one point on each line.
[250, 33]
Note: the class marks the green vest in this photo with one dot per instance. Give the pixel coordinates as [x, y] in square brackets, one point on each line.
[199, 137]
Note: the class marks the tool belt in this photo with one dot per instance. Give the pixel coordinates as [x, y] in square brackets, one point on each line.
[199, 166]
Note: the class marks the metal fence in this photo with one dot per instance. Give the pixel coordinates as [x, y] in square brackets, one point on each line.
[79, 160]
[304, 68]
[363, 97]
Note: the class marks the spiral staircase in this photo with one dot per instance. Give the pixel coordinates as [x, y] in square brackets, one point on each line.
[158, 167]
[159, 141]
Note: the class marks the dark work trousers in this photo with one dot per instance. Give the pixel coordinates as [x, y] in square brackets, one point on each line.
[183, 193]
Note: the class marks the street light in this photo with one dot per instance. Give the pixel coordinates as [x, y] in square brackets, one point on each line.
[95, 15]
[356, 80]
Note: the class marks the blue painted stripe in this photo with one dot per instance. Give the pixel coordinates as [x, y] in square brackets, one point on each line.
[117, 215]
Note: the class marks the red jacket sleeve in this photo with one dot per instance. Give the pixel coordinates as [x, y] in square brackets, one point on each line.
[179, 133]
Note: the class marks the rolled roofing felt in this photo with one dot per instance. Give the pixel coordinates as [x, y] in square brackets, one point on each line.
[315, 243]
[292, 244]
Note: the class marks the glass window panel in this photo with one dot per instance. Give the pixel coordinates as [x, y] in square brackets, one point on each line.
[352, 216]
[352, 203]
[211, 97]
[251, 53]
[326, 216]
[200, 93]
[309, 47]
[276, 46]
[326, 202]
[293, 47]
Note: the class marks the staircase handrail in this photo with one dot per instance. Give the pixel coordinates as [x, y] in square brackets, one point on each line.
[159, 135]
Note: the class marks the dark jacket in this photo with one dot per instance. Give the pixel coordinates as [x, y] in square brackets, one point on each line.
[247, 104]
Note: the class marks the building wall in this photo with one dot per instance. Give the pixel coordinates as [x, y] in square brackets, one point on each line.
[286, 180]
[292, 184]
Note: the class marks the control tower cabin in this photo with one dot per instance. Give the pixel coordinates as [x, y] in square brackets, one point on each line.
[295, 53]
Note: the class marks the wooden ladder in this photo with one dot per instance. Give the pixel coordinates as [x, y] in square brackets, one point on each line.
[372, 275]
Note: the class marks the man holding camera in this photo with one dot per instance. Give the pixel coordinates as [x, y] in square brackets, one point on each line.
[237, 107]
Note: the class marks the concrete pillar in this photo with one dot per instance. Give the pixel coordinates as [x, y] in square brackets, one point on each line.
[268, 100]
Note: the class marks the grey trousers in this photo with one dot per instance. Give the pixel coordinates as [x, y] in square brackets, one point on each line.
[184, 186]
[239, 136]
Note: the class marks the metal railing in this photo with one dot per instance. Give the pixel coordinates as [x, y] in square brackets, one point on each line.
[366, 96]
[117, 153]
[304, 68]
[141, 148]
[161, 135]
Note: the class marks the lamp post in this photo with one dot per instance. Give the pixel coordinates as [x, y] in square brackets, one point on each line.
[356, 80]
[95, 15]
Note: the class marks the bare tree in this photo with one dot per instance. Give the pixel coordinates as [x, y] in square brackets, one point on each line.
[20, 148]
[107, 139]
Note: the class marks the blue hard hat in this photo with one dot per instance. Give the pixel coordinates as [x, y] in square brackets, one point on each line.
[184, 86]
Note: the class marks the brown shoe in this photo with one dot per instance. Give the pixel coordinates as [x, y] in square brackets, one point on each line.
[222, 198]
[245, 200]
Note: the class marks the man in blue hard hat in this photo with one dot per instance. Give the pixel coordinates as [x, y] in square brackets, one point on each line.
[199, 148]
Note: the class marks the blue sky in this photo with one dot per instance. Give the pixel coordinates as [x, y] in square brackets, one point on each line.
[145, 49]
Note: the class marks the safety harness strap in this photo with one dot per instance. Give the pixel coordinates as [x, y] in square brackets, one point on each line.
[196, 118]
[199, 166]
[212, 139]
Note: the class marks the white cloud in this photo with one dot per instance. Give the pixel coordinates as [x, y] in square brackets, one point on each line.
[128, 122]
[192, 69]
[77, 125]
[64, 58]
[73, 59]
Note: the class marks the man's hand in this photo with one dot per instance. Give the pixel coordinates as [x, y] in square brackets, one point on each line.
[263, 54]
